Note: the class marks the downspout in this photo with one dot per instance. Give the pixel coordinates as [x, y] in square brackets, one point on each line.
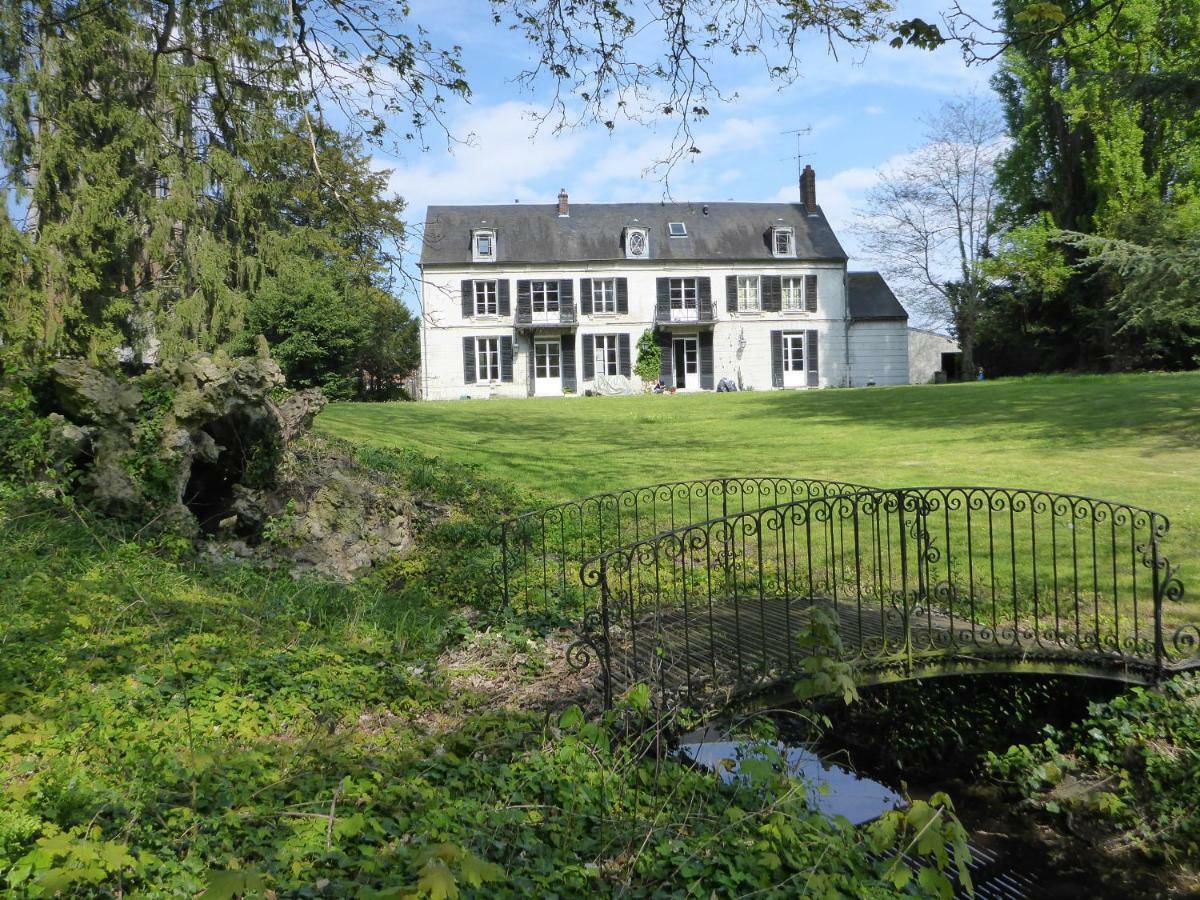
[424, 336]
[846, 319]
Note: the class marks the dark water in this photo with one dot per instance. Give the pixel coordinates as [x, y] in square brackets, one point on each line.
[921, 738]
[832, 789]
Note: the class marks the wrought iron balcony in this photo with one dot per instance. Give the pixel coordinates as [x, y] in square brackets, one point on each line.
[701, 314]
[564, 317]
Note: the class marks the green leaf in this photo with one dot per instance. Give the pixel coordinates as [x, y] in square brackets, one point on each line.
[476, 871]
[436, 880]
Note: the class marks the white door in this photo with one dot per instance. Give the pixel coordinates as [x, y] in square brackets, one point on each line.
[686, 363]
[547, 368]
[793, 361]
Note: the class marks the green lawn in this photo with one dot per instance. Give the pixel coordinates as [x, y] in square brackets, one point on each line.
[1130, 438]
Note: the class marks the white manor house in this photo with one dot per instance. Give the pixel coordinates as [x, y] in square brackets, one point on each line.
[543, 300]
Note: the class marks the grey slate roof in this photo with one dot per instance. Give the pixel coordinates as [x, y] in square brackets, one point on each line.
[534, 233]
[870, 298]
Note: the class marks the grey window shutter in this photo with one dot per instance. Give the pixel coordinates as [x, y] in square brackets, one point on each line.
[704, 299]
[502, 301]
[468, 298]
[566, 294]
[810, 358]
[810, 293]
[663, 300]
[524, 302]
[777, 359]
[706, 360]
[731, 293]
[772, 293]
[568, 362]
[624, 364]
[506, 358]
[622, 295]
[666, 366]
[585, 296]
[468, 360]
[589, 357]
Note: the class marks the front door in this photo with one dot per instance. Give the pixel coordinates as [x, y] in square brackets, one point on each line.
[547, 368]
[793, 361]
[687, 363]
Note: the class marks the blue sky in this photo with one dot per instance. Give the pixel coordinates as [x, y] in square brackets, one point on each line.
[864, 111]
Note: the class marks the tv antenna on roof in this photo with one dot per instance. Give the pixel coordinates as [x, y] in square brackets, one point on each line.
[799, 133]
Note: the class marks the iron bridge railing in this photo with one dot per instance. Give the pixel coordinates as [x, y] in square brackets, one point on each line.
[707, 588]
[540, 552]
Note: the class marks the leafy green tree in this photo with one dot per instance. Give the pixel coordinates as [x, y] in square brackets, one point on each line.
[1102, 145]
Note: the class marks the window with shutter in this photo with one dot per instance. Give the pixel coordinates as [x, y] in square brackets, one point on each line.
[485, 298]
[624, 362]
[468, 298]
[506, 359]
[748, 297]
[604, 295]
[706, 361]
[793, 294]
[569, 381]
[813, 373]
[771, 293]
[777, 359]
[468, 360]
[589, 357]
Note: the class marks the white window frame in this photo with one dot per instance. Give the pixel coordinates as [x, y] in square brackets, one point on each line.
[684, 293]
[789, 339]
[789, 234]
[609, 346]
[547, 359]
[487, 360]
[749, 293]
[478, 240]
[487, 299]
[792, 301]
[682, 232]
[545, 292]
[604, 296]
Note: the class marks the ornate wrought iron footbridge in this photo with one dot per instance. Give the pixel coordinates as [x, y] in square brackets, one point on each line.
[709, 590]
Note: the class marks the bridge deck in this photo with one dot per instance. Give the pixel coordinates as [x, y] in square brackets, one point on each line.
[756, 644]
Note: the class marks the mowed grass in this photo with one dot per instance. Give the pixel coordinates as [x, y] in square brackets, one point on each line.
[1130, 438]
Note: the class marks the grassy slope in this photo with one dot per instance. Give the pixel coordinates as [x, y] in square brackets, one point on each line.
[1133, 438]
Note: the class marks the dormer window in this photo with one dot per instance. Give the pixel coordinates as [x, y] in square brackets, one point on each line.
[783, 241]
[483, 245]
[677, 229]
[637, 243]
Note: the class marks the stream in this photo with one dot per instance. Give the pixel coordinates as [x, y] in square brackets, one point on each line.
[922, 737]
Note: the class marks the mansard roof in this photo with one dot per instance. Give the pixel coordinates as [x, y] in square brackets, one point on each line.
[869, 297]
[536, 233]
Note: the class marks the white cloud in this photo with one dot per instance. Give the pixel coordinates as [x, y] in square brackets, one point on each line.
[873, 110]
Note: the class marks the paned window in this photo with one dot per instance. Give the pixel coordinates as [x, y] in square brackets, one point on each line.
[793, 294]
[607, 361]
[544, 296]
[604, 295]
[546, 359]
[485, 298]
[487, 358]
[748, 293]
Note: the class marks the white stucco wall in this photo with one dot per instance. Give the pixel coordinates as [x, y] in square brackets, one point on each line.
[925, 349]
[741, 341]
[878, 353]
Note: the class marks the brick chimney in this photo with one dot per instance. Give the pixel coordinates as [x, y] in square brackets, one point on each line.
[563, 208]
[808, 190]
